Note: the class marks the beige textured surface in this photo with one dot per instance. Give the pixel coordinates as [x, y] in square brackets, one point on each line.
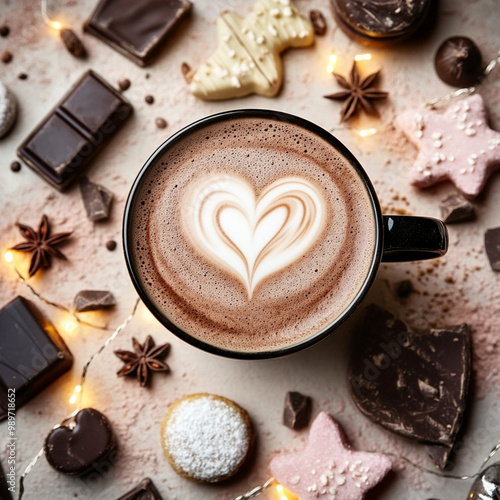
[462, 283]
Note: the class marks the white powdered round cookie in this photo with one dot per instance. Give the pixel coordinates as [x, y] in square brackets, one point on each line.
[8, 109]
[206, 438]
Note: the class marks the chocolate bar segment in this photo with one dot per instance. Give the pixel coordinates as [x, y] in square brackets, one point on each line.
[69, 137]
[32, 354]
[144, 491]
[136, 29]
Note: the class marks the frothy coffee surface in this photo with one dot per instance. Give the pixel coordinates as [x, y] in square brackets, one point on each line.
[252, 234]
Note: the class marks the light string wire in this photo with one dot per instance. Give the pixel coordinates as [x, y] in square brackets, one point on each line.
[83, 376]
[258, 490]
[47, 19]
[466, 90]
[51, 303]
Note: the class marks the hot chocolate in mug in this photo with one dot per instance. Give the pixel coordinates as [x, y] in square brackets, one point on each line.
[255, 233]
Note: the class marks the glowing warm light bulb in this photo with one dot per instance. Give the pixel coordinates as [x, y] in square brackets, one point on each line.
[69, 324]
[367, 132]
[9, 257]
[56, 25]
[362, 57]
[147, 315]
[331, 66]
[74, 398]
[281, 492]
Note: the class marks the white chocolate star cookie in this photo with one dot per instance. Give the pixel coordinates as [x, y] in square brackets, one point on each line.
[248, 59]
[8, 109]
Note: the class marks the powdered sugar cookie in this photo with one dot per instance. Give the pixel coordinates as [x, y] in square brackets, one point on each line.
[206, 438]
[8, 109]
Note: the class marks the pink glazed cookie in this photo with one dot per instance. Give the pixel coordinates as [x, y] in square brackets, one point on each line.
[328, 467]
[456, 145]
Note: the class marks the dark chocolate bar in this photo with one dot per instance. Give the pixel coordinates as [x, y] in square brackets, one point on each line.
[136, 29]
[144, 491]
[66, 140]
[32, 354]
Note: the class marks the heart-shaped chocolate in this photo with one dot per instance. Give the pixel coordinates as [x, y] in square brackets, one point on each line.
[253, 236]
[413, 384]
[82, 445]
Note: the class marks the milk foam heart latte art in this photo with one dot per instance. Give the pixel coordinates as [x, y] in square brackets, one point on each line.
[251, 234]
[253, 237]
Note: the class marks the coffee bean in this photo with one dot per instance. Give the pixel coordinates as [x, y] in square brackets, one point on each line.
[22, 76]
[149, 99]
[161, 123]
[4, 31]
[6, 56]
[15, 166]
[124, 84]
[111, 245]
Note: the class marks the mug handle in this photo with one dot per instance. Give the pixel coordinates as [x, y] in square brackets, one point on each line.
[409, 238]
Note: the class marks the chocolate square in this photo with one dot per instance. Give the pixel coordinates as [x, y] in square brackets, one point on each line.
[492, 245]
[32, 354]
[136, 29]
[144, 491]
[74, 131]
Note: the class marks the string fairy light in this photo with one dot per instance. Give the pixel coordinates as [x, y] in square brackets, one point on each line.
[70, 322]
[332, 61]
[57, 25]
[362, 57]
[76, 398]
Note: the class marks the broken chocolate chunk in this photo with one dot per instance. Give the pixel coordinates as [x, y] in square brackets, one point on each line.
[32, 354]
[412, 384]
[492, 244]
[93, 300]
[297, 410]
[404, 288]
[97, 199]
[456, 208]
[487, 485]
[144, 491]
[440, 454]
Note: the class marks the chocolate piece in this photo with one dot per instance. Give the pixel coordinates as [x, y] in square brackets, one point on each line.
[82, 445]
[4, 31]
[124, 84]
[492, 244]
[456, 208]
[414, 385]
[149, 99]
[487, 484]
[297, 410]
[6, 57]
[440, 454]
[404, 288]
[73, 43]
[161, 123]
[136, 29]
[93, 300]
[144, 491]
[22, 76]
[318, 21]
[458, 62]
[66, 140]
[111, 245]
[97, 199]
[32, 354]
[15, 166]
[380, 22]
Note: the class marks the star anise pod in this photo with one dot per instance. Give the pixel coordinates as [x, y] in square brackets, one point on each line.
[358, 94]
[41, 245]
[144, 359]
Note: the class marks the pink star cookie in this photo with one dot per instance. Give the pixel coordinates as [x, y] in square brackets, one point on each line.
[457, 145]
[328, 468]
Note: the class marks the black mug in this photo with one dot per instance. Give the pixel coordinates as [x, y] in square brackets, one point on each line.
[396, 238]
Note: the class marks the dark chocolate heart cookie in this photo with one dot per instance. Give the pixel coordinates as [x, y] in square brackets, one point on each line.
[82, 445]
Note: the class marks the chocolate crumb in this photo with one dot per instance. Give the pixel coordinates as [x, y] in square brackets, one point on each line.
[318, 21]
[492, 245]
[73, 43]
[111, 245]
[187, 72]
[124, 84]
[6, 57]
[149, 99]
[297, 410]
[455, 208]
[4, 31]
[22, 76]
[147, 75]
[15, 166]
[404, 288]
[161, 123]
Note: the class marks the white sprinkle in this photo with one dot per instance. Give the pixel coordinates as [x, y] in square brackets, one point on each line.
[236, 82]
[285, 2]
[273, 30]
[295, 480]
[232, 53]
[251, 35]
[471, 169]
[482, 152]
[333, 490]
[461, 126]
[419, 134]
[275, 12]
[479, 123]
[303, 34]
[323, 479]
[287, 11]
[226, 38]
[438, 144]
[427, 173]
[437, 135]
[470, 132]
[340, 480]
[451, 158]
[313, 472]
[261, 40]
[462, 171]
[397, 11]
